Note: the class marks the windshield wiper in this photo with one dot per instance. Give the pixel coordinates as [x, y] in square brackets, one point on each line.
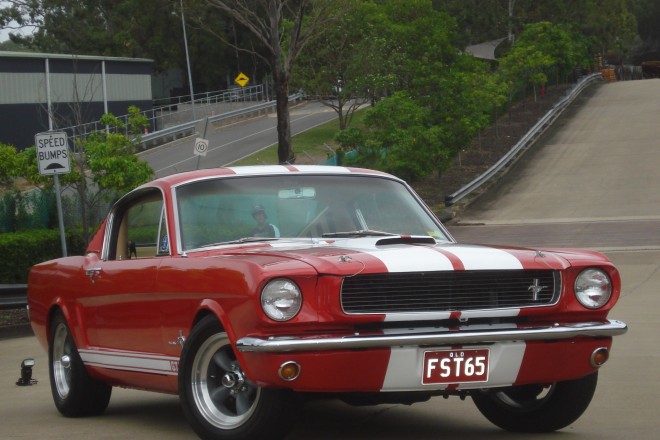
[240, 240]
[360, 233]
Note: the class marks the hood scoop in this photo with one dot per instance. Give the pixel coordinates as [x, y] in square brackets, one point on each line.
[405, 239]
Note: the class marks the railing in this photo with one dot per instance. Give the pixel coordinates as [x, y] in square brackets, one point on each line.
[13, 296]
[159, 116]
[188, 128]
[525, 141]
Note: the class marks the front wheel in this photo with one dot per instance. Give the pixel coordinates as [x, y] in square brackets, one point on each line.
[75, 393]
[218, 399]
[537, 408]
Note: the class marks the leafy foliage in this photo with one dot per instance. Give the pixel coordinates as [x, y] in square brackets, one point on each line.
[448, 96]
[22, 250]
[283, 29]
[7, 164]
[401, 138]
[104, 167]
[111, 157]
[336, 66]
[127, 28]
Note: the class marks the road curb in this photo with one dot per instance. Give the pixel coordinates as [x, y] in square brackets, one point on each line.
[15, 331]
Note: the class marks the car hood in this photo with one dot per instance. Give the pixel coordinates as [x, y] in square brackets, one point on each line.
[415, 254]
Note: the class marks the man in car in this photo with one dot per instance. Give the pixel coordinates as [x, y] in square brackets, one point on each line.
[263, 229]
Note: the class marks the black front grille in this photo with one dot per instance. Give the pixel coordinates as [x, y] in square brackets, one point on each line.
[449, 291]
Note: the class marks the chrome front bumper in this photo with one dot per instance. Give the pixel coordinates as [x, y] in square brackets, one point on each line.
[482, 334]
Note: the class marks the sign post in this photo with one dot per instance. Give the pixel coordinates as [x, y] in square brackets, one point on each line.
[53, 159]
[201, 147]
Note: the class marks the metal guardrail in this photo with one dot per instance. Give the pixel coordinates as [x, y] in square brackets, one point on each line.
[188, 128]
[158, 115]
[13, 296]
[525, 141]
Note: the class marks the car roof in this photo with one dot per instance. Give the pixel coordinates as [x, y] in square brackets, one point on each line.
[259, 170]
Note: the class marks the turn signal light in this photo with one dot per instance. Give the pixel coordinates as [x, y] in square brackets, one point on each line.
[599, 357]
[289, 371]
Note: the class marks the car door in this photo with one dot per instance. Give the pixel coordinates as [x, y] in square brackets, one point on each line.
[122, 311]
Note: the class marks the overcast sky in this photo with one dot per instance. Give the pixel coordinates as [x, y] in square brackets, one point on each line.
[4, 33]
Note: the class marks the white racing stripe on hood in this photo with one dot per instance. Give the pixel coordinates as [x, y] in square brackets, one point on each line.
[411, 259]
[485, 258]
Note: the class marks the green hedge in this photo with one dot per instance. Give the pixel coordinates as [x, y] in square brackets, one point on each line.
[21, 250]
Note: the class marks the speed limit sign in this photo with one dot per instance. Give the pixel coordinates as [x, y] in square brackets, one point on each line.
[201, 146]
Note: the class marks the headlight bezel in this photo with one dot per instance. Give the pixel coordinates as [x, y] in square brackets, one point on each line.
[281, 299]
[593, 288]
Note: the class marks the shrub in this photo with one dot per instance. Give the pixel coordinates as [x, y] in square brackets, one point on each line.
[21, 250]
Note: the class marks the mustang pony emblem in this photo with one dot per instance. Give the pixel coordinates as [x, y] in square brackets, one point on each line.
[536, 288]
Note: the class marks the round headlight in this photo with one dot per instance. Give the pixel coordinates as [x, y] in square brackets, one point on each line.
[593, 288]
[281, 299]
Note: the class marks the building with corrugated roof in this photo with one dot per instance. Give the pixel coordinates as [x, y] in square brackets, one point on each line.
[77, 88]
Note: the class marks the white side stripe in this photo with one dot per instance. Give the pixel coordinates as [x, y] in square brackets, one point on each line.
[131, 361]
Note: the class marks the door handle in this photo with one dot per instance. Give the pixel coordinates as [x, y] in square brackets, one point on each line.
[92, 272]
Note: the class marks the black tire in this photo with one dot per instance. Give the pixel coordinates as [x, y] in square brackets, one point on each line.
[75, 393]
[537, 408]
[218, 400]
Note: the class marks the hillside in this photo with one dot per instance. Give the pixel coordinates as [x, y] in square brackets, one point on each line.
[486, 149]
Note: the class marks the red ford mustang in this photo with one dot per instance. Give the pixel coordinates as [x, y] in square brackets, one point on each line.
[244, 290]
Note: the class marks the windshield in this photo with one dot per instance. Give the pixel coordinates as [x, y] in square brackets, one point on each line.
[242, 209]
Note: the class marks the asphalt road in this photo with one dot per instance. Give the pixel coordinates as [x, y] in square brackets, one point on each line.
[592, 182]
[231, 142]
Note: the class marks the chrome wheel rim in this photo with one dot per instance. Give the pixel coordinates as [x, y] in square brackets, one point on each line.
[221, 392]
[62, 361]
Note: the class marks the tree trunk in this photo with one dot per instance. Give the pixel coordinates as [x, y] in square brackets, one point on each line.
[284, 151]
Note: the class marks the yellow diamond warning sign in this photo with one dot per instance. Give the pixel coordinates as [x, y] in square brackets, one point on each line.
[241, 79]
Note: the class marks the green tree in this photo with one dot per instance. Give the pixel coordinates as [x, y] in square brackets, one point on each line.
[104, 165]
[336, 68]
[282, 28]
[109, 158]
[8, 165]
[401, 138]
[478, 20]
[542, 48]
[126, 28]
[28, 168]
[607, 25]
[466, 101]
[448, 96]
[648, 17]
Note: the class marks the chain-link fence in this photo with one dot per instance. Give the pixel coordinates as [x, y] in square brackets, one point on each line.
[37, 209]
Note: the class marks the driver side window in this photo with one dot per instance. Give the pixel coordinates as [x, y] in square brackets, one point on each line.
[143, 230]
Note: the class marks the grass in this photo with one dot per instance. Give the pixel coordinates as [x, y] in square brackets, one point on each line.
[313, 146]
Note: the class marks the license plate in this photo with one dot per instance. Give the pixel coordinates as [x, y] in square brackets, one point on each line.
[455, 366]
